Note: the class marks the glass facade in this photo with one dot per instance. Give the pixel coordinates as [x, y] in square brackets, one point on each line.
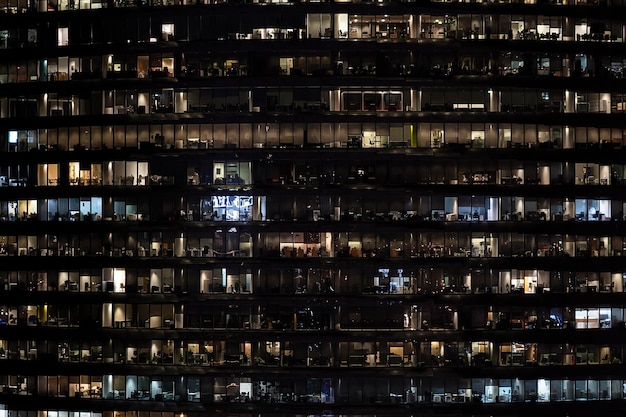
[284, 208]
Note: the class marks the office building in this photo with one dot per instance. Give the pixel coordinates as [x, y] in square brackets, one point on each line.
[343, 208]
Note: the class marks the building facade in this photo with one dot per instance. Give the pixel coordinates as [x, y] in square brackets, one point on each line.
[343, 208]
